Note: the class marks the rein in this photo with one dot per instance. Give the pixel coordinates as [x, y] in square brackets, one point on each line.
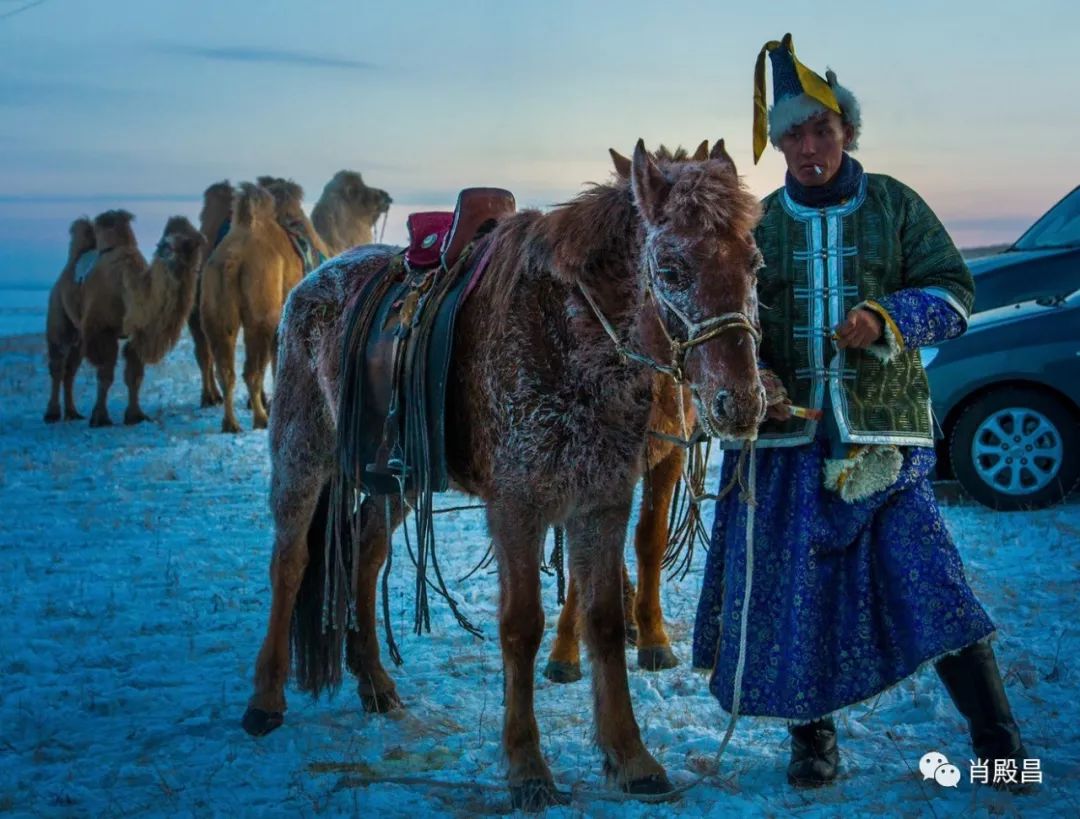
[697, 333]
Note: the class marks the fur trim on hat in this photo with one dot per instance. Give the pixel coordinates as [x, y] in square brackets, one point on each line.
[792, 111]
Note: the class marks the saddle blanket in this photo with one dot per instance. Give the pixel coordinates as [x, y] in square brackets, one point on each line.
[84, 264]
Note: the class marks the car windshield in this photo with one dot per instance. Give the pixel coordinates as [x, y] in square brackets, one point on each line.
[1059, 227]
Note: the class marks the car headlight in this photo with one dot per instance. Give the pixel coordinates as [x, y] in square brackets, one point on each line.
[927, 354]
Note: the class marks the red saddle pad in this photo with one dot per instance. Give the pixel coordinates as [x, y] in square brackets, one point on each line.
[426, 233]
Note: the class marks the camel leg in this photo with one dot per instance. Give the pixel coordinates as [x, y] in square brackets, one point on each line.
[134, 369]
[564, 661]
[595, 539]
[102, 350]
[223, 348]
[518, 534]
[71, 367]
[57, 359]
[650, 541]
[376, 688]
[258, 345]
[211, 395]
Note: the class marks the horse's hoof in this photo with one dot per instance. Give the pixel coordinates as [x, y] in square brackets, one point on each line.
[74, 415]
[132, 418]
[656, 658]
[560, 672]
[100, 420]
[651, 784]
[259, 423]
[534, 795]
[230, 426]
[382, 702]
[259, 723]
[52, 416]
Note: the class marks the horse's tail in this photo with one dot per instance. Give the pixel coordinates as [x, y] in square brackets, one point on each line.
[317, 651]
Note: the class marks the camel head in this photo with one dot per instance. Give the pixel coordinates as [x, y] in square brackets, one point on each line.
[357, 198]
[181, 246]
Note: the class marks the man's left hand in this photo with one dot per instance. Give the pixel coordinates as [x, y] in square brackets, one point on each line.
[860, 329]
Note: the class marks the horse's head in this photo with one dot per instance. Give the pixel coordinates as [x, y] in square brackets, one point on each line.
[699, 261]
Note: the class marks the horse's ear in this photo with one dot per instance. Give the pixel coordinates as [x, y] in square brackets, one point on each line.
[702, 152]
[720, 153]
[651, 187]
[622, 164]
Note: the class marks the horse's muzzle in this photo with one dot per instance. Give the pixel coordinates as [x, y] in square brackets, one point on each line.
[737, 413]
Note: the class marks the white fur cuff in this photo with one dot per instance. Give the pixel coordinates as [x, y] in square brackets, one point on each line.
[865, 471]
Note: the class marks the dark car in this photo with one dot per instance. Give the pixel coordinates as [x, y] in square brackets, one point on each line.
[1006, 395]
[1045, 261]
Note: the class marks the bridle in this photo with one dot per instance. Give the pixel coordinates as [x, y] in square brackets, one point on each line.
[697, 332]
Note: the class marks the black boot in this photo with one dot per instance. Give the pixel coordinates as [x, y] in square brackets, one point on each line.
[815, 756]
[973, 680]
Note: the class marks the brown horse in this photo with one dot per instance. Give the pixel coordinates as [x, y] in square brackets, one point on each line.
[671, 419]
[664, 462]
[550, 429]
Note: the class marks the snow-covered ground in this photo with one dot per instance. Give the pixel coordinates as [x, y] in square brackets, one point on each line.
[134, 595]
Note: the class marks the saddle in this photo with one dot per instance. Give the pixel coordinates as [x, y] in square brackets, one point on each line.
[392, 406]
[398, 345]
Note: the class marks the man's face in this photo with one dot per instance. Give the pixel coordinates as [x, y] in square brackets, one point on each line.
[817, 143]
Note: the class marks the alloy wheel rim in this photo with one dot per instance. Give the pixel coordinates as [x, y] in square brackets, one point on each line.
[1017, 450]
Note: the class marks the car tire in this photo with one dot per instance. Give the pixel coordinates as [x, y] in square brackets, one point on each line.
[1016, 448]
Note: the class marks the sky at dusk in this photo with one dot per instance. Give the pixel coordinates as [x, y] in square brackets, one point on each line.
[142, 103]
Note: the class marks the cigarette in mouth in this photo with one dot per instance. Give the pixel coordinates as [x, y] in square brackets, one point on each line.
[817, 170]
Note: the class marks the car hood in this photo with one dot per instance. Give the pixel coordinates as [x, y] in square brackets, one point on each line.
[1014, 257]
[1018, 312]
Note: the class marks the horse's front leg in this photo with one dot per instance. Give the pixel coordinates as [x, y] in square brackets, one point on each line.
[596, 539]
[518, 533]
[650, 541]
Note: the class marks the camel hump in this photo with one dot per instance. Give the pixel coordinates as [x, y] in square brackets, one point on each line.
[252, 204]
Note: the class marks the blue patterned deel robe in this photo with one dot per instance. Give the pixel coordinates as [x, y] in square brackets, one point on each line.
[848, 598]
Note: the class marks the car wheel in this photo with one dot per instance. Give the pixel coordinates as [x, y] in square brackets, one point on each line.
[1016, 448]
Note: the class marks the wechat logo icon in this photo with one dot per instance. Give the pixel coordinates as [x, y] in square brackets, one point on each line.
[936, 766]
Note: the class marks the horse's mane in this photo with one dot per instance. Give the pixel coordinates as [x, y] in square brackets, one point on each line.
[567, 242]
[599, 226]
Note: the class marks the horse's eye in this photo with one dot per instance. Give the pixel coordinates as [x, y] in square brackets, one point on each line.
[672, 276]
